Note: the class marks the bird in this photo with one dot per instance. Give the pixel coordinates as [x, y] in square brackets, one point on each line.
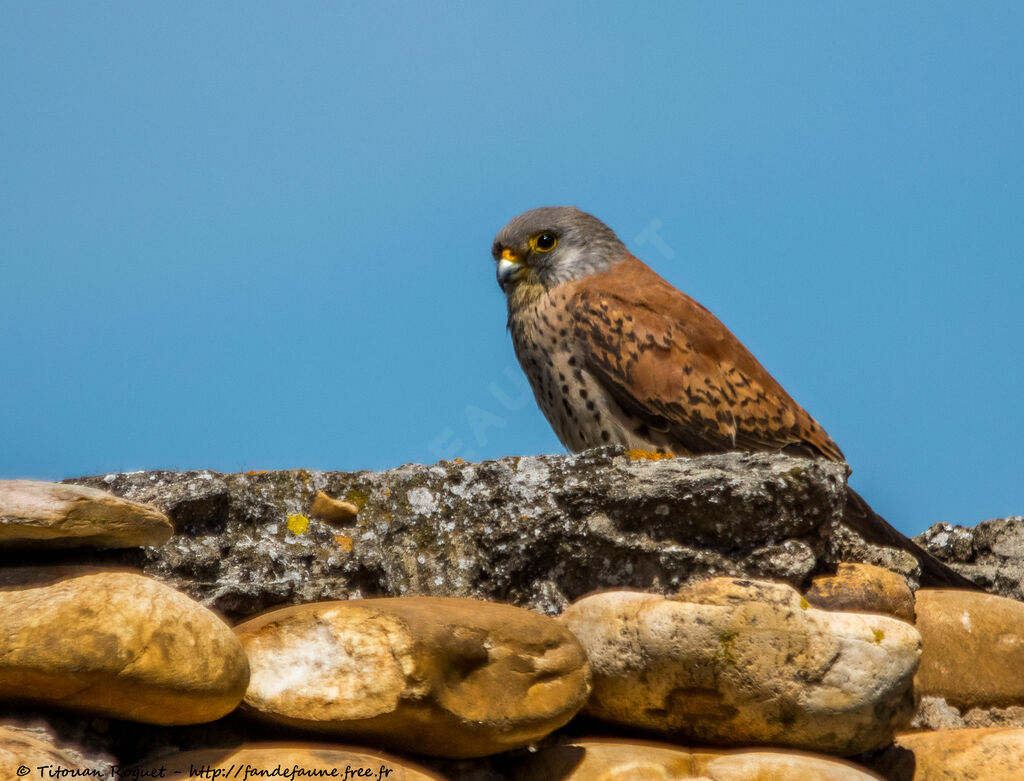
[615, 355]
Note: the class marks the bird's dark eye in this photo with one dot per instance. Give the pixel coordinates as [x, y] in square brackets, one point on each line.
[543, 242]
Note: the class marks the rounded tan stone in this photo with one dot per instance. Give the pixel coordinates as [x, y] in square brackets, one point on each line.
[115, 643]
[616, 759]
[36, 513]
[332, 510]
[737, 661]
[973, 648]
[261, 760]
[428, 675]
[993, 754]
[20, 749]
[863, 588]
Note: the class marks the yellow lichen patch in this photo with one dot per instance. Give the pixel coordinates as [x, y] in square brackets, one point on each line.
[647, 455]
[879, 636]
[304, 475]
[345, 543]
[804, 604]
[257, 472]
[297, 524]
[459, 460]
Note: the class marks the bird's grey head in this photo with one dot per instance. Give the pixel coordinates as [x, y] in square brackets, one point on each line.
[554, 244]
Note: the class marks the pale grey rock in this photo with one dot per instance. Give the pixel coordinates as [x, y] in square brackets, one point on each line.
[934, 713]
[990, 554]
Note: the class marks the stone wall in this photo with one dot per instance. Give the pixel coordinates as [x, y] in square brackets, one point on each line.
[549, 617]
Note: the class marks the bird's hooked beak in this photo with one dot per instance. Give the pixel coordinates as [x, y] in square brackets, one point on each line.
[510, 268]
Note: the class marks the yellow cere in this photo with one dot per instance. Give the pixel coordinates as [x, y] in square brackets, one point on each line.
[297, 524]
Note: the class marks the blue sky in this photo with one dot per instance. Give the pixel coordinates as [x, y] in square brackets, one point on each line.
[256, 236]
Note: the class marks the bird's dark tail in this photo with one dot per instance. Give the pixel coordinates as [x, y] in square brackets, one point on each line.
[874, 528]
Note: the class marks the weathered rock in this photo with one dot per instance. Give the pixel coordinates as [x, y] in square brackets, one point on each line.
[115, 643]
[991, 554]
[69, 734]
[332, 510]
[21, 748]
[348, 762]
[437, 676]
[956, 755]
[863, 588]
[972, 666]
[610, 759]
[536, 532]
[934, 713]
[729, 661]
[105, 742]
[973, 648]
[56, 515]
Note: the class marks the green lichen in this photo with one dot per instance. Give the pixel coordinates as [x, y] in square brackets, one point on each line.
[804, 604]
[357, 497]
[728, 642]
[797, 478]
[879, 636]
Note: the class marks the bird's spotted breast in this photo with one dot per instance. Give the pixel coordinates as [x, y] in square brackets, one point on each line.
[579, 409]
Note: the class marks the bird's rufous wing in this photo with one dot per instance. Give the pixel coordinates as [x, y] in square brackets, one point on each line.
[672, 364]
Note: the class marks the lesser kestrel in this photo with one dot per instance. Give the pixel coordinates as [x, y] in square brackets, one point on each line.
[616, 355]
